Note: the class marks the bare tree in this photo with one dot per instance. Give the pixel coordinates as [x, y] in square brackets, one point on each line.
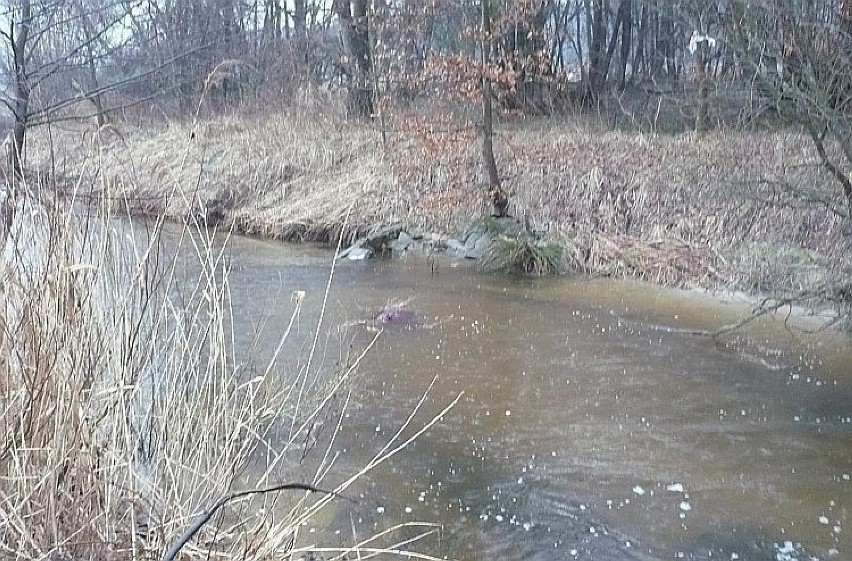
[498, 198]
[700, 46]
[800, 56]
[18, 38]
[55, 52]
[596, 16]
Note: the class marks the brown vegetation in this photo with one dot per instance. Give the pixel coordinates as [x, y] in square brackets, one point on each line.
[716, 211]
[268, 151]
[126, 414]
[103, 386]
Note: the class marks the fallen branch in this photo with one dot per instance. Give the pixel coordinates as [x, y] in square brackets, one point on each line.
[208, 513]
[756, 314]
[766, 307]
[658, 327]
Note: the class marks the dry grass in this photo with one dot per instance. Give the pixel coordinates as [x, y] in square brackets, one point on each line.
[670, 209]
[280, 177]
[524, 255]
[125, 410]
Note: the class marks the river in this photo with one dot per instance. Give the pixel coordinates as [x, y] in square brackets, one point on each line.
[577, 436]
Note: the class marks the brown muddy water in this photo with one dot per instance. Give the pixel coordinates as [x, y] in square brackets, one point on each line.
[576, 437]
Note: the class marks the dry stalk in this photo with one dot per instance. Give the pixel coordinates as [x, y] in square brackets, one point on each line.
[122, 403]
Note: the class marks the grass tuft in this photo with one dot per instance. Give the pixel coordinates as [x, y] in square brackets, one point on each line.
[523, 254]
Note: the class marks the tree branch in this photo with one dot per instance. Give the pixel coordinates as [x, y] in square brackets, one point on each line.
[834, 169]
[208, 513]
[761, 311]
[42, 116]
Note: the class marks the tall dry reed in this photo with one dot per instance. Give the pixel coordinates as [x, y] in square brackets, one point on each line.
[124, 409]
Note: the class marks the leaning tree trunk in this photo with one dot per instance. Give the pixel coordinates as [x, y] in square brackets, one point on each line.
[356, 40]
[499, 200]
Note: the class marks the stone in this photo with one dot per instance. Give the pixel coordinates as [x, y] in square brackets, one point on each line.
[434, 242]
[399, 246]
[396, 316]
[359, 253]
[356, 252]
[479, 247]
[379, 239]
[402, 243]
[456, 248]
[473, 234]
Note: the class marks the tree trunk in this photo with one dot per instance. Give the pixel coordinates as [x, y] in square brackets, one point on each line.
[20, 36]
[703, 87]
[620, 19]
[578, 42]
[626, 39]
[356, 40]
[597, 45]
[641, 32]
[412, 56]
[656, 48]
[93, 94]
[300, 17]
[499, 200]
[270, 25]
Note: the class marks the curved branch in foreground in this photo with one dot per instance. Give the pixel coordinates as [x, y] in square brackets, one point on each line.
[208, 513]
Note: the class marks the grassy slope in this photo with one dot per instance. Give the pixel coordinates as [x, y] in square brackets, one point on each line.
[720, 210]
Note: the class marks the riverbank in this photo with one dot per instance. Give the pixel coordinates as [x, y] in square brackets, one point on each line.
[577, 336]
[748, 211]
